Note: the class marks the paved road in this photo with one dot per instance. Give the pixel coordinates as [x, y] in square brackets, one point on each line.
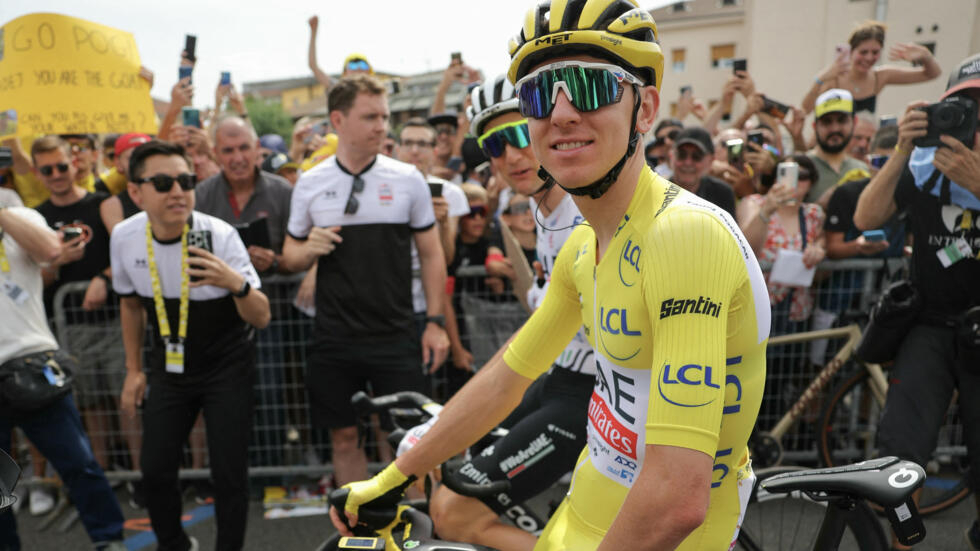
[945, 531]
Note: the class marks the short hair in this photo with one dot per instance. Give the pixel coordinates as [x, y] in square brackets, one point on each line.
[47, 144]
[885, 138]
[474, 192]
[667, 123]
[90, 138]
[342, 95]
[109, 142]
[231, 118]
[869, 30]
[416, 122]
[152, 148]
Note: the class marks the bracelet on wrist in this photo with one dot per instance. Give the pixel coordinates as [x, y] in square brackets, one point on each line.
[901, 151]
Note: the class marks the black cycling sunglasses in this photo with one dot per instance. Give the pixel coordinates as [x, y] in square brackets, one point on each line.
[48, 170]
[352, 203]
[164, 182]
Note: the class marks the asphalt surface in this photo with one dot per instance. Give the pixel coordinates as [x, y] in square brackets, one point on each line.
[944, 530]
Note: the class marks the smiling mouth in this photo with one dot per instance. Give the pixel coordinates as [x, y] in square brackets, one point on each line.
[569, 145]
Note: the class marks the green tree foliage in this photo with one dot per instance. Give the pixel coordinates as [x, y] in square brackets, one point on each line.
[269, 118]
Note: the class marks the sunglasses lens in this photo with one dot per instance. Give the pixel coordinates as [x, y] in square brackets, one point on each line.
[588, 88]
[494, 143]
[187, 181]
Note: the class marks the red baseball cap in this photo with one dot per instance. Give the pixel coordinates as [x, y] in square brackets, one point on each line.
[129, 141]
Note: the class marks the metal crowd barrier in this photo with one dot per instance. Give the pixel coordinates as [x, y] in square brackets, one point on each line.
[284, 442]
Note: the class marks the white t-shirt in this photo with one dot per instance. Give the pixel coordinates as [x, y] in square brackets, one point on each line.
[458, 206]
[23, 324]
[577, 356]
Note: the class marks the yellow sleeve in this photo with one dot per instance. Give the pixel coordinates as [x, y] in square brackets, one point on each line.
[687, 289]
[114, 181]
[554, 323]
[30, 189]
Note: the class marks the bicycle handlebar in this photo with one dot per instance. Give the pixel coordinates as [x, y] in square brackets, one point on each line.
[455, 482]
[366, 405]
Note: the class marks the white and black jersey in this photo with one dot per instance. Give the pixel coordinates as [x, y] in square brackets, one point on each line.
[216, 334]
[577, 356]
[364, 286]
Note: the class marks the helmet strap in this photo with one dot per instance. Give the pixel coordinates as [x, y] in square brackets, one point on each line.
[599, 187]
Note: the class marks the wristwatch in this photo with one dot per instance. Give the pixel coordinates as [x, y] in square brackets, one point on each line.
[438, 320]
[244, 290]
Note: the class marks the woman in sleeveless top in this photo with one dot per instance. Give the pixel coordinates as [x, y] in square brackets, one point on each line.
[854, 68]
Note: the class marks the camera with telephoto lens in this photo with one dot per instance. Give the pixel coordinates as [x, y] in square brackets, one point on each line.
[955, 116]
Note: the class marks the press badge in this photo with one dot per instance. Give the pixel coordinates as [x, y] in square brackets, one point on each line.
[954, 252]
[15, 292]
[175, 356]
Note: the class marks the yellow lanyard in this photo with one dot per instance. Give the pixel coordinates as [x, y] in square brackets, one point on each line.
[174, 351]
[4, 264]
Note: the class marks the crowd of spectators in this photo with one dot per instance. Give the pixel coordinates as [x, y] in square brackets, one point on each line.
[385, 225]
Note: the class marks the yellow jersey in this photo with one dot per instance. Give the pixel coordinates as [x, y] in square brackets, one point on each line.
[677, 314]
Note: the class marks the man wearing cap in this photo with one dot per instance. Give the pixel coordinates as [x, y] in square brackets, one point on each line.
[281, 165]
[270, 144]
[26, 243]
[690, 160]
[121, 206]
[834, 126]
[938, 188]
[447, 149]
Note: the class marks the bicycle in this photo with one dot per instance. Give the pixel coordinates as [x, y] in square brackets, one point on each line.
[791, 507]
[409, 409]
[846, 426]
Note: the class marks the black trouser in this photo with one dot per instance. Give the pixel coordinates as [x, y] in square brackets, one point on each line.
[171, 407]
[920, 388]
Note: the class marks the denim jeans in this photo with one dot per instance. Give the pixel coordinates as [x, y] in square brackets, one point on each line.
[57, 432]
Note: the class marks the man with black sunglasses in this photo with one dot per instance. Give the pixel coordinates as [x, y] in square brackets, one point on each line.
[355, 216]
[690, 161]
[204, 305]
[90, 328]
[674, 305]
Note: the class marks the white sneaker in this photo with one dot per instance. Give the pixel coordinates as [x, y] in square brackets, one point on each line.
[194, 545]
[42, 502]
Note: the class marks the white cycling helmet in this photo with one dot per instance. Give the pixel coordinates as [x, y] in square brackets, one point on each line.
[488, 100]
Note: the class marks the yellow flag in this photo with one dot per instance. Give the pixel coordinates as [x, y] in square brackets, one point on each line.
[63, 75]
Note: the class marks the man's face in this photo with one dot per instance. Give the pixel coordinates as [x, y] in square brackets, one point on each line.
[834, 131]
[171, 207]
[668, 133]
[445, 134]
[861, 140]
[364, 127]
[86, 157]
[237, 151]
[416, 147]
[58, 182]
[689, 164]
[578, 148]
[388, 147]
[518, 215]
[517, 167]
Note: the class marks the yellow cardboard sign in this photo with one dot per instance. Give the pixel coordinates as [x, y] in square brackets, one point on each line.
[64, 75]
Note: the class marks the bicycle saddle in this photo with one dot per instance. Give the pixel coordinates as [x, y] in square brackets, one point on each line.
[887, 481]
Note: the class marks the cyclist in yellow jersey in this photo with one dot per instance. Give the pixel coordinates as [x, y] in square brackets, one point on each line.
[669, 292]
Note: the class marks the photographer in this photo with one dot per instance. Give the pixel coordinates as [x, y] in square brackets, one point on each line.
[939, 189]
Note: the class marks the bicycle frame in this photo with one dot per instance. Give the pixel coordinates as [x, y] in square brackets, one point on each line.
[852, 333]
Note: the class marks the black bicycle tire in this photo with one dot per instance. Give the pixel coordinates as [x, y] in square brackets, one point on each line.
[858, 376]
[862, 523]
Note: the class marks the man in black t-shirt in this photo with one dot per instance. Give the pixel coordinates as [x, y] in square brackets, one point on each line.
[91, 332]
[939, 190]
[690, 160]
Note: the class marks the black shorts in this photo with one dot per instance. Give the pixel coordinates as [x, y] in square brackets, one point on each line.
[547, 433]
[334, 374]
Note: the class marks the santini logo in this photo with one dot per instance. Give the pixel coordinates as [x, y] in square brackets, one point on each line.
[674, 307]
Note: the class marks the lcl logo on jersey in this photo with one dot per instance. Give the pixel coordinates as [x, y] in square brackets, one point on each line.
[613, 321]
[688, 375]
[630, 256]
